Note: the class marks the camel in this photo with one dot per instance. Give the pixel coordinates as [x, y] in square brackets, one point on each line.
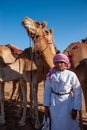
[77, 53]
[25, 62]
[15, 52]
[8, 55]
[47, 49]
[37, 35]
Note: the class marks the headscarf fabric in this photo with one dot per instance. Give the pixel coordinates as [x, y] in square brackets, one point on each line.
[58, 58]
[62, 58]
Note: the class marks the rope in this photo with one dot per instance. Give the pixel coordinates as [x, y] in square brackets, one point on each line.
[31, 78]
[43, 74]
[31, 56]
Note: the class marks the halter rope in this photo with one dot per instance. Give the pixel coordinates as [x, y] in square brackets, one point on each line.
[35, 39]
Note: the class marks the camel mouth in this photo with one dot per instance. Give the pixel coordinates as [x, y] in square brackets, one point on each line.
[25, 24]
[28, 26]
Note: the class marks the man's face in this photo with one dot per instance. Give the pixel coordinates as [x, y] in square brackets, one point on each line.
[60, 65]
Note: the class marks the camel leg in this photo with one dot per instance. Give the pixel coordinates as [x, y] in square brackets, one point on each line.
[18, 94]
[84, 89]
[85, 98]
[24, 102]
[31, 101]
[13, 88]
[2, 117]
[37, 123]
[34, 105]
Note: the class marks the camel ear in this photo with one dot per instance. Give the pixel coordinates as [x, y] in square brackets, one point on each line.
[44, 24]
[52, 30]
[37, 22]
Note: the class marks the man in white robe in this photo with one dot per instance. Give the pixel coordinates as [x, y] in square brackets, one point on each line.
[62, 95]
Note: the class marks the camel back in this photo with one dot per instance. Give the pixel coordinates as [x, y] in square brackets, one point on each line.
[30, 57]
[6, 55]
[14, 50]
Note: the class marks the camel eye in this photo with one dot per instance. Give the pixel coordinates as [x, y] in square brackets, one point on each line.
[47, 32]
[37, 37]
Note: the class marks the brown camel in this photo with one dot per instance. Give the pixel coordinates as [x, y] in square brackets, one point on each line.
[25, 61]
[77, 53]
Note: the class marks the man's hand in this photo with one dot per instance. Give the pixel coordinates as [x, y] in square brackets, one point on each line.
[74, 114]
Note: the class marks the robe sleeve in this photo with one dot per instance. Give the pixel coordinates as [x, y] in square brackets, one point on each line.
[47, 93]
[77, 93]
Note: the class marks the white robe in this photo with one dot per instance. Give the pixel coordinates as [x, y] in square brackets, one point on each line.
[61, 106]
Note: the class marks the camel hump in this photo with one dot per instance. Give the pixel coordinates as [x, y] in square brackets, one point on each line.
[15, 51]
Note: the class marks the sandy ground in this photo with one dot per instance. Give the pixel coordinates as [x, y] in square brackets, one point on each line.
[12, 109]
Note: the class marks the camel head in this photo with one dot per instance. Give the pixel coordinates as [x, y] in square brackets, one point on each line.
[49, 35]
[33, 27]
[77, 52]
[38, 32]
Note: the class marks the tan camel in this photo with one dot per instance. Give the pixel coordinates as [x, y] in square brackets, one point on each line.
[8, 55]
[25, 69]
[15, 52]
[77, 53]
[36, 32]
[46, 52]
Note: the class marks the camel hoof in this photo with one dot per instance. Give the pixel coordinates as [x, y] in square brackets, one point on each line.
[21, 123]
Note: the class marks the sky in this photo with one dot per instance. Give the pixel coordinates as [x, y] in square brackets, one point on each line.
[67, 17]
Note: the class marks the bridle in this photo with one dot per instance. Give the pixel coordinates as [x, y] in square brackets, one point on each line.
[37, 38]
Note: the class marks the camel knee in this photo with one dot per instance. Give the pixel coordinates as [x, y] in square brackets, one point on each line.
[24, 104]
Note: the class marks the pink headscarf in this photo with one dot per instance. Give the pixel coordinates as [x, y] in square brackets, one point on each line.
[58, 58]
[62, 57]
